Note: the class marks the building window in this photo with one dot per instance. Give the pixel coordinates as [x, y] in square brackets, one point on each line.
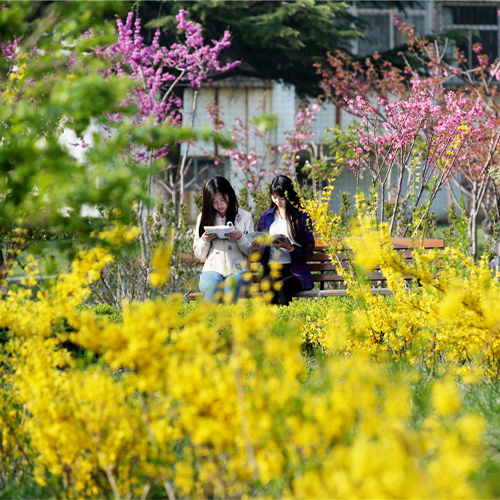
[378, 35]
[469, 14]
[381, 34]
[480, 23]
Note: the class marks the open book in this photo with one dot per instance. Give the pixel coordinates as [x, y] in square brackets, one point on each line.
[220, 231]
[267, 239]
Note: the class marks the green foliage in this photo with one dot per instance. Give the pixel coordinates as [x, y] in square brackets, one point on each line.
[484, 399]
[244, 199]
[338, 140]
[457, 235]
[419, 217]
[430, 226]
[265, 122]
[345, 211]
[19, 486]
[188, 307]
[104, 310]
[365, 204]
[255, 201]
[490, 250]
[42, 182]
[314, 317]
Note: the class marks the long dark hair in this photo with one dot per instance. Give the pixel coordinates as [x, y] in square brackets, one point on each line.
[213, 186]
[283, 186]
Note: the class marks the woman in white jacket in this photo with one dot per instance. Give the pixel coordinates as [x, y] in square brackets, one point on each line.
[226, 258]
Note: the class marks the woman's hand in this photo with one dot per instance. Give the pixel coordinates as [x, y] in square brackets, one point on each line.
[208, 237]
[257, 247]
[287, 244]
[235, 235]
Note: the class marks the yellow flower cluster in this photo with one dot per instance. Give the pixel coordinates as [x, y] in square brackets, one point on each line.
[161, 264]
[451, 151]
[446, 314]
[325, 223]
[11, 92]
[120, 234]
[217, 401]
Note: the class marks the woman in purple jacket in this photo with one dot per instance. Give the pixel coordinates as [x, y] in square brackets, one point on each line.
[285, 218]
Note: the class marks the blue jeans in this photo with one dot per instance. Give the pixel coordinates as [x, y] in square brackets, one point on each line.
[213, 285]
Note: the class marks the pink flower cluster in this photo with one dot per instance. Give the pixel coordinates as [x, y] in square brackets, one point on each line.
[395, 137]
[300, 137]
[158, 70]
[9, 49]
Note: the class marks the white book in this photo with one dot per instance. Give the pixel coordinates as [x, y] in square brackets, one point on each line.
[221, 231]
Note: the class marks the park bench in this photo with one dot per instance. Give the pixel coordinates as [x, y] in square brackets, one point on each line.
[329, 283]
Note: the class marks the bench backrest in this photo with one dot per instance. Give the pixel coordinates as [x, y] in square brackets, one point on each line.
[323, 270]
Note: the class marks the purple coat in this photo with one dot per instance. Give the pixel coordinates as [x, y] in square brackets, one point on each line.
[298, 266]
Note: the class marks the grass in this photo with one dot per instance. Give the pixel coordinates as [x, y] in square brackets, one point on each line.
[484, 399]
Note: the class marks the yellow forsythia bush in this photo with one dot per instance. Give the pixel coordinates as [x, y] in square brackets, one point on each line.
[216, 401]
[448, 315]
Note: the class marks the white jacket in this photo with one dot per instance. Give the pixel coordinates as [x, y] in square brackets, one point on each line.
[225, 256]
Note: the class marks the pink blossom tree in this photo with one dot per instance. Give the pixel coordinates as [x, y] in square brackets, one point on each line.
[413, 152]
[160, 73]
[475, 177]
[416, 135]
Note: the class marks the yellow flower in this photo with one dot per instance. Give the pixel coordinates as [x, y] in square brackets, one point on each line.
[161, 265]
[446, 396]
[120, 234]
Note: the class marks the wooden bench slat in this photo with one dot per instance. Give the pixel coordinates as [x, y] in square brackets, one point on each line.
[327, 277]
[323, 257]
[328, 266]
[409, 243]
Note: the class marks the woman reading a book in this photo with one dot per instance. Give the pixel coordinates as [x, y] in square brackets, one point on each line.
[292, 242]
[220, 240]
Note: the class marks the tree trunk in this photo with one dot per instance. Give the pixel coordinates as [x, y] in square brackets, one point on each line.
[473, 221]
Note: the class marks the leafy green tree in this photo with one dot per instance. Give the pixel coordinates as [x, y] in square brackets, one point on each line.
[51, 81]
[274, 40]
